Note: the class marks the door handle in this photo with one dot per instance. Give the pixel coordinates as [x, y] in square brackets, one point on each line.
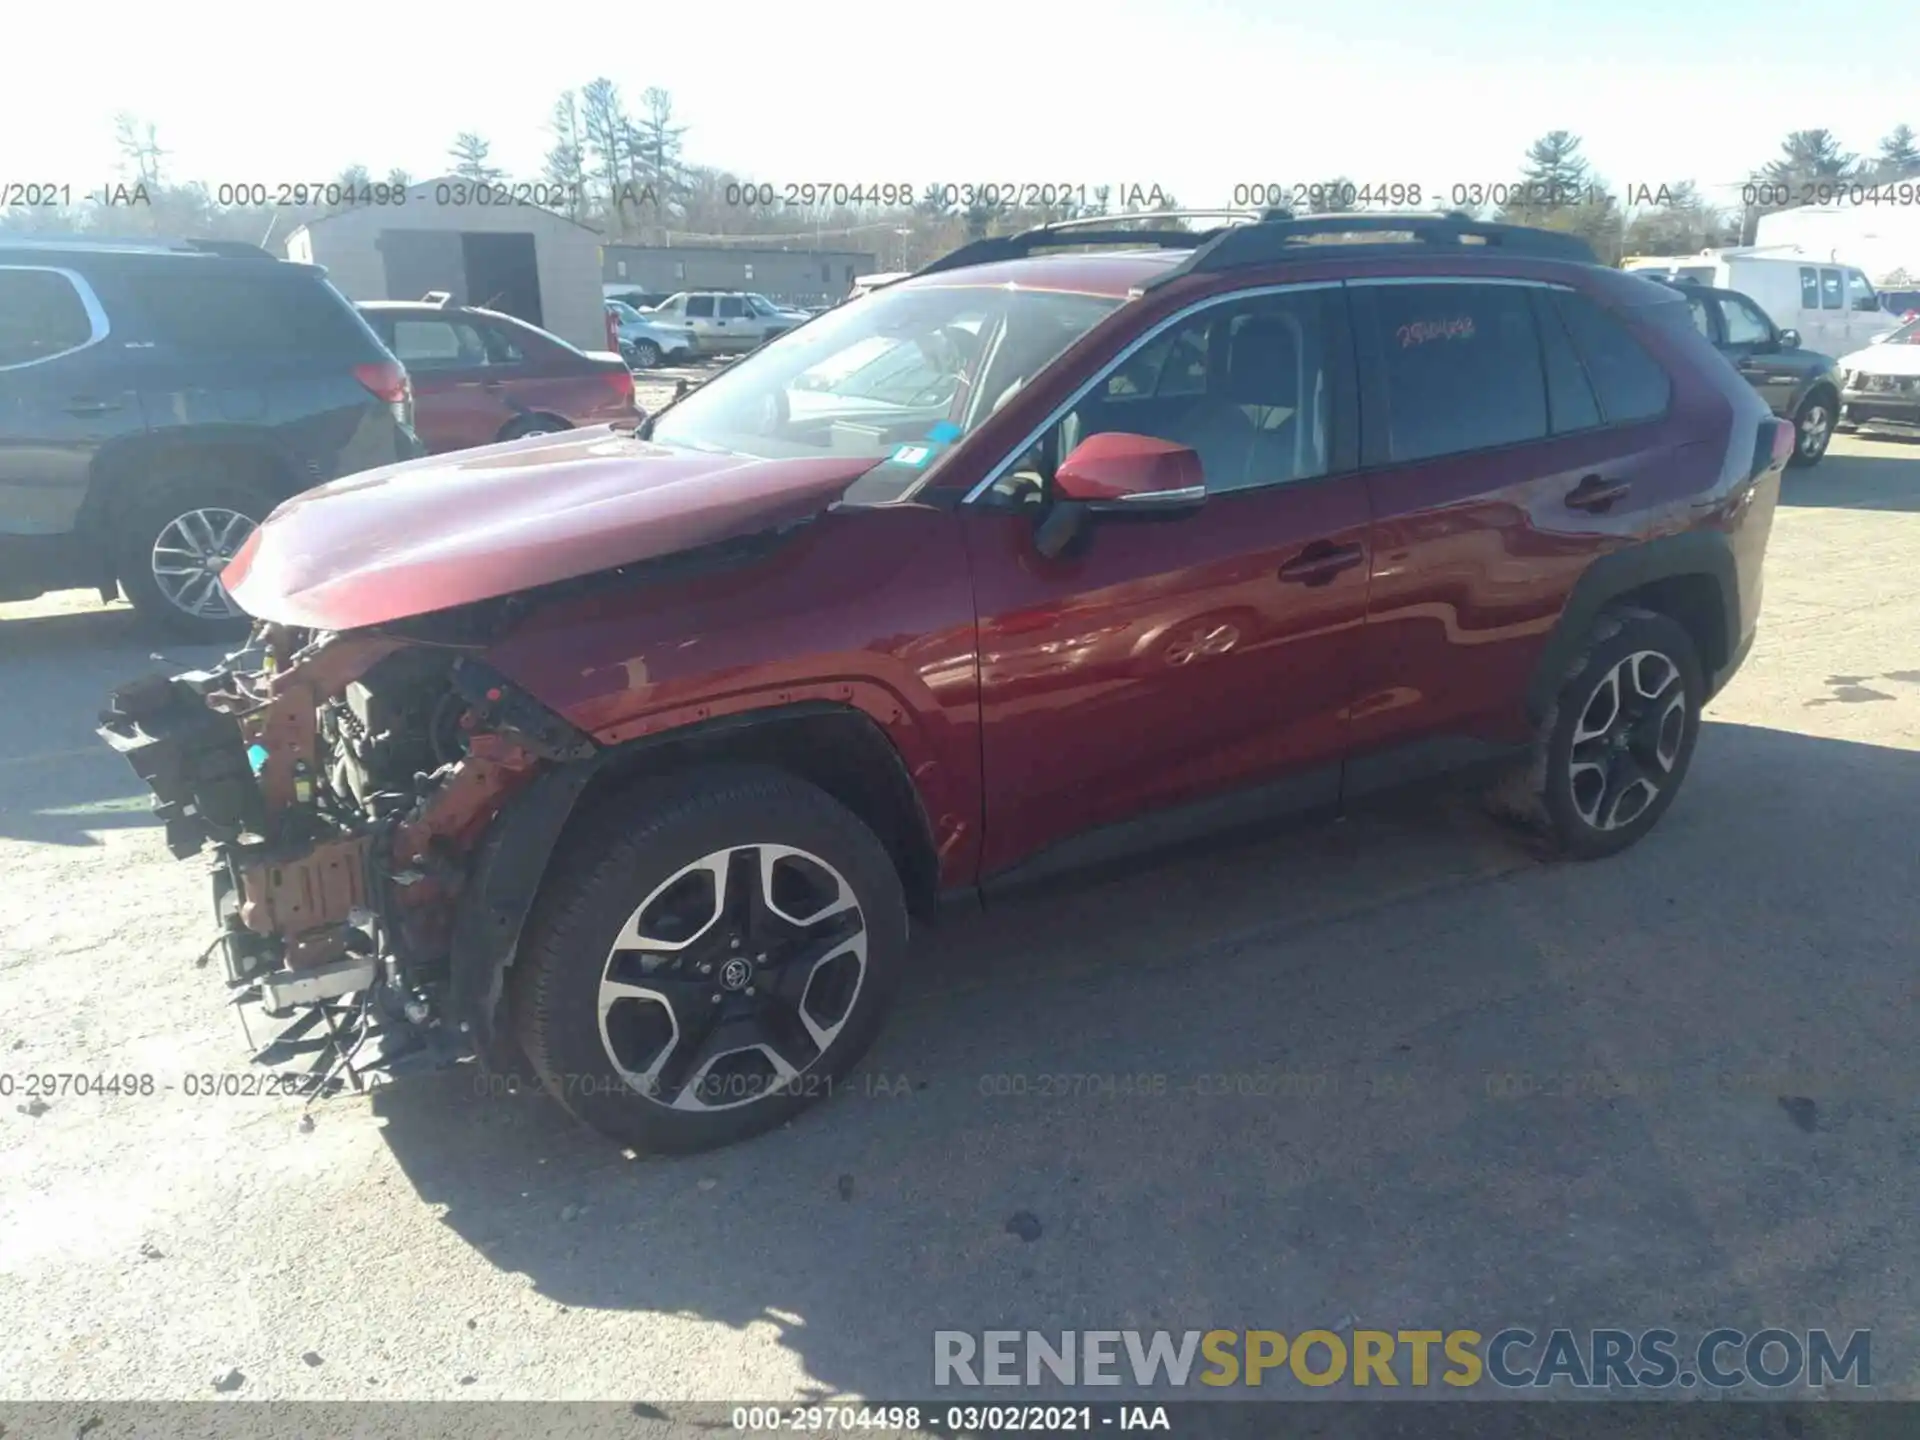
[1595, 495]
[91, 407]
[1320, 562]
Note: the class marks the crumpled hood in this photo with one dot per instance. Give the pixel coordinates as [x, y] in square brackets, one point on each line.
[1884, 360]
[452, 529]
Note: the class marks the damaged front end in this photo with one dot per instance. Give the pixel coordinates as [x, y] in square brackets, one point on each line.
[346, 783]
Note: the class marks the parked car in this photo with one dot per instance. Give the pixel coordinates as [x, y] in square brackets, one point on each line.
[640, 755]
[1832, 307]
[480, 377]
[1881, 384]
[158, 398]
[728, 321]
[641, 300]
[646, 341]
[1800, 385]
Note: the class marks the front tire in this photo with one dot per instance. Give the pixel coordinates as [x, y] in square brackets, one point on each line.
[646, 354]
[172, 543]
[714, 952]
[1813, 426]
[1614, 748]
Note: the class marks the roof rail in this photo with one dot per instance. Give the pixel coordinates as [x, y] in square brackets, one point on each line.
[1269, 237]
[1066, 234]
[234, 249]
[1282, 237]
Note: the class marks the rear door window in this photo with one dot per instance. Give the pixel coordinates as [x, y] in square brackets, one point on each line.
[700, 306]
[433, 344]
[1809, 288]
[1629, 382]
[1832, 290]
[41, 316]
[1462, 367]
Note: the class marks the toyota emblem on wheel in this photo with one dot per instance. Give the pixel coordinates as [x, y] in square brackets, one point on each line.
[735, 974]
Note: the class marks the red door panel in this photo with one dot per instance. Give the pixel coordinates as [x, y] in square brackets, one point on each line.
[1166, 662]
[1473, 559]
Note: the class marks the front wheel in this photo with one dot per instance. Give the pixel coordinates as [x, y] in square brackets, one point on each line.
[1612, 752]
[714, 953]
[1813, 426]
[645, 354]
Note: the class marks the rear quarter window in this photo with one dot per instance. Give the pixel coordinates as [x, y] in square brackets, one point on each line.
[274, 312]
[1629, 383]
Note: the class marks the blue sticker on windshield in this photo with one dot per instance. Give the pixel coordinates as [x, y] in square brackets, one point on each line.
[912, 455]
[944, 432]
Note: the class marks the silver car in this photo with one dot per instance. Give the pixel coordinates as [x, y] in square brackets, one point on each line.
[649, 340]
[726, 321]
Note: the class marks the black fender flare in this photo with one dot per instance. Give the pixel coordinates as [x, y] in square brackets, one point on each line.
[511, 863]
[1606, 580]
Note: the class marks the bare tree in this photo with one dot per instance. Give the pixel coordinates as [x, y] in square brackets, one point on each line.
[566, 164]
[469, 155]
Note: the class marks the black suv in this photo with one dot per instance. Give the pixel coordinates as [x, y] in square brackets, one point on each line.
[158, 399]
[1800, 385]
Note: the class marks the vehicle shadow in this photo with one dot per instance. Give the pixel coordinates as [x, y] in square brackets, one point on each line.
[58, 780]
[1371, 1070]
[1856, 482]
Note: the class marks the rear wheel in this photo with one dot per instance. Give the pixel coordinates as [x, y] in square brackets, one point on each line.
[534, 425]
[715, 952]
[1813, 426]
[1613, 750]
[173, 543]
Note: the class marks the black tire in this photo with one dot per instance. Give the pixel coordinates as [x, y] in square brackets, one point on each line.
[183, 489]
[534, 425]
[1547, 795]
[622, 855]
[646, 354]
[1813, 426]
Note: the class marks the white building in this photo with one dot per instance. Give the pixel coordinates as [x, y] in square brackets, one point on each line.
[478, 243]
[1879, 239]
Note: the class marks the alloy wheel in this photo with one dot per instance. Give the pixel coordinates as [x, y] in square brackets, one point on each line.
[732, 979]
[1627, 740]
[1816, 429]
[191, 553]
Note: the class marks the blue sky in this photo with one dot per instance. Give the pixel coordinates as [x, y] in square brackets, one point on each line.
[1194, 96]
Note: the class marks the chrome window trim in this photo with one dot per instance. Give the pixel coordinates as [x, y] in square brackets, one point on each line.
[97, 321]
[1133, 347]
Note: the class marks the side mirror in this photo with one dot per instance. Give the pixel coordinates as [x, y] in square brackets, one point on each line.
[1789, 339]
[1117, 471]
[1118, 474]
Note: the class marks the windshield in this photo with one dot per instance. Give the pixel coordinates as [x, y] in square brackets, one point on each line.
[625, 311]
[1907, 334]
[902, 375]
[762, 306]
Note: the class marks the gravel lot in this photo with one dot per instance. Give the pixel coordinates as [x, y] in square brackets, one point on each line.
[1723, 1020]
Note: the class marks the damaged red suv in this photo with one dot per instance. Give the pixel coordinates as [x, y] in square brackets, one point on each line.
[627, 756]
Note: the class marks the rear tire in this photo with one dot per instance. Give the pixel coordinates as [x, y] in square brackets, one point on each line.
[711, 954]
[1613, 749]
[534, 425]
[171, 542]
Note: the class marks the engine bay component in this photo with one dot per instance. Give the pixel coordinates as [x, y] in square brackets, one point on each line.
[345, 783]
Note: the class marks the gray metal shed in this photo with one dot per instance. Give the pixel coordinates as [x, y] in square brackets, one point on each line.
[478, 243]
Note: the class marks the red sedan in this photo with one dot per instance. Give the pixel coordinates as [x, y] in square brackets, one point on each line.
[481, 377]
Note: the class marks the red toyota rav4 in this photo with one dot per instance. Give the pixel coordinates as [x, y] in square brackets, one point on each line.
[630, 754]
